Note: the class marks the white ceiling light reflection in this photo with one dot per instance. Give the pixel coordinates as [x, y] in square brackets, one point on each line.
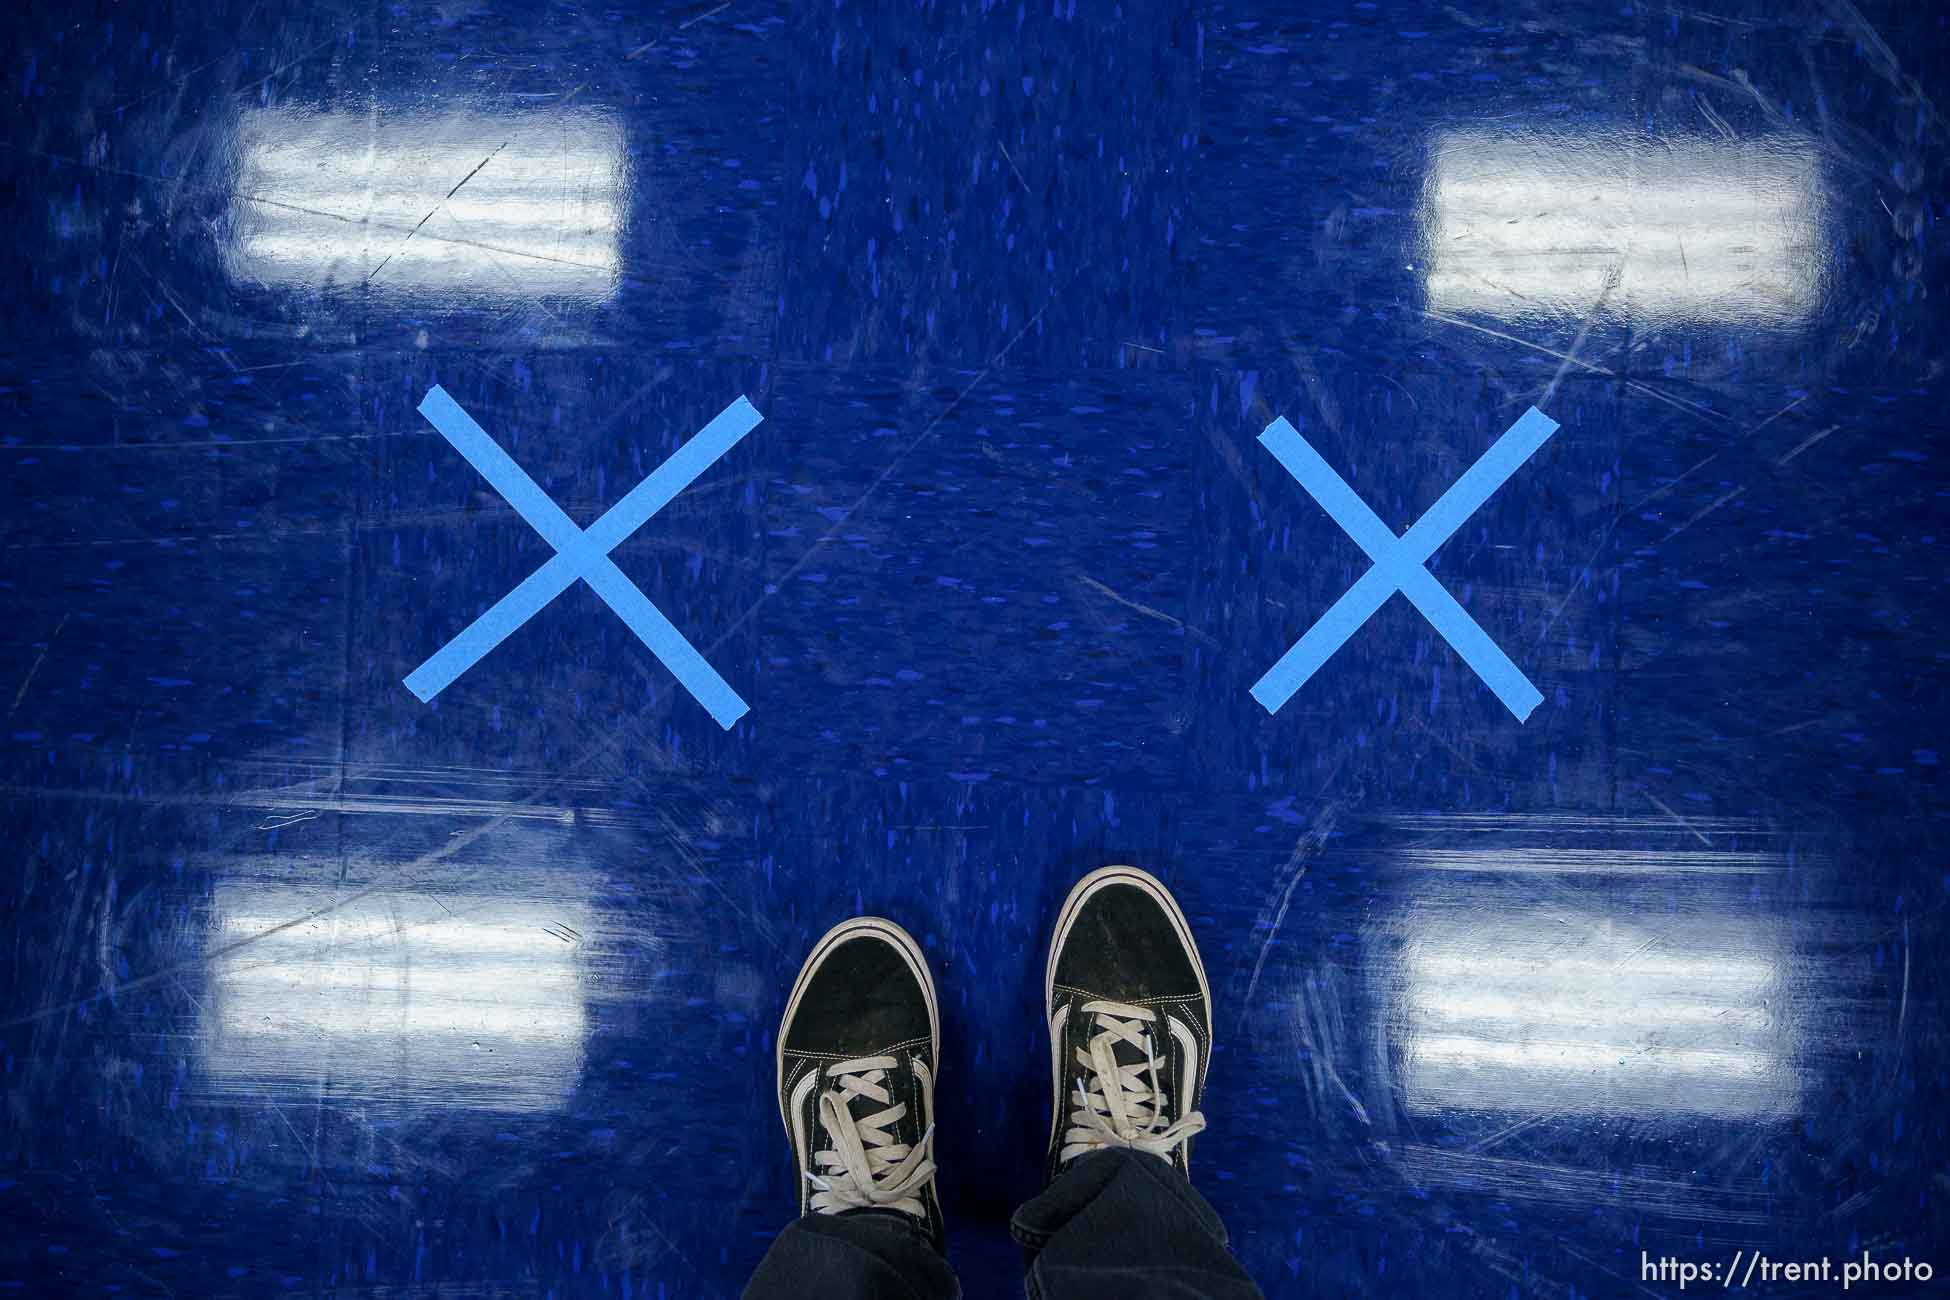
[458, 1001]
[1537, 227]
[1553, 1010]
[519, 204]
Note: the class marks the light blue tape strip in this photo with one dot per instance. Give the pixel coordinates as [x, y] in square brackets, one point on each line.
[492, 628]
[1329, 489]
[1479, 482]
[584, 554]
[1398, 563]
[667, 643]
[1342, 619]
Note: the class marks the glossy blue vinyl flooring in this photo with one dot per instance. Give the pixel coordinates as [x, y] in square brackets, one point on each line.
[311, 988]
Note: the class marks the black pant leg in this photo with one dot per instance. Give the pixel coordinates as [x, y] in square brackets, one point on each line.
[868, 1255]
[1124, 1225]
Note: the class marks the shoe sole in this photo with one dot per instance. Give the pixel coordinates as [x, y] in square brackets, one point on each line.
[1102, 877]
[878, 927]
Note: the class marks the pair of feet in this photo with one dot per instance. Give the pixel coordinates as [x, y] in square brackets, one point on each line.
[1130, 1018]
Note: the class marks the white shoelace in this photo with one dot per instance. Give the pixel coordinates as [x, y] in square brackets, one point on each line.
[868, 1167]
[1115, 1106]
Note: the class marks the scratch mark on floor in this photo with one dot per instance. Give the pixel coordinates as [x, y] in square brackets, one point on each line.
[263, 1093]
[267, 201]
[390, 226]
[1399, 385]
[1854, 1203]
[1147, 611]
[1678, 404]
[1902, 1012]
[1739, 84]
[434, 209]
[1013, 167]
[1315, 1033]
[1423, 727]
[1611, 282]
[1307, 847]
[1706, 109]
[1661, 805]
[647, 46]
[272, 365]
[1806, 443]
[1658, 492]
[1535, 1180]
[180, 311]
[40, 659]
[272, 823]
[1565, 357]
[1702, 514]
[1584, 575]
[1778, 414]
[1529, 1121]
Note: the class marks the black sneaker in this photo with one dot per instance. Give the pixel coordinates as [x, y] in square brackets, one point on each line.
[1130, 1021]
[857, 1055]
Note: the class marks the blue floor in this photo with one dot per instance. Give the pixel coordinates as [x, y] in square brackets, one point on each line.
[313, 988]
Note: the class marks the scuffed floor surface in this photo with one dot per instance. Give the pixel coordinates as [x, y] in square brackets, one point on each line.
[311, 988]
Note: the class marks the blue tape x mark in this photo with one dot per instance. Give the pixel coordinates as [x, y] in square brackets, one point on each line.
[584, 553]
[1398, 563]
